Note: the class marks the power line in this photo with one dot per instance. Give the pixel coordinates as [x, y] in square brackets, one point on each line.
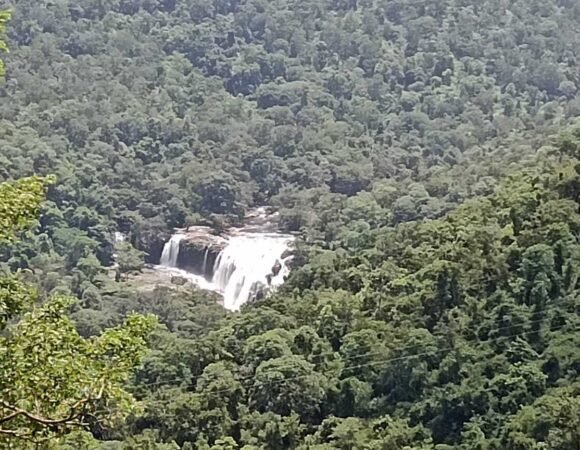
[370, 364]
[334, 353]
[389, 360]
[380, 362]
[369, 354]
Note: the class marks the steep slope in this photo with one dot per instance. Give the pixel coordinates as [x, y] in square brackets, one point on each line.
[154, 112]
[458, 333]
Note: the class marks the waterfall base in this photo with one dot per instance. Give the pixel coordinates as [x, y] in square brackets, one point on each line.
[198, 280]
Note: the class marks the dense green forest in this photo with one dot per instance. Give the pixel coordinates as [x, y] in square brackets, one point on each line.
[423, 151]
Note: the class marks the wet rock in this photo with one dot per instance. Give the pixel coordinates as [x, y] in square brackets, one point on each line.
[178, 281]
[151, 242]
[256, 252]
[199, 250]
[258, 291]
[276, 268]
[204, 237]
[261, 220]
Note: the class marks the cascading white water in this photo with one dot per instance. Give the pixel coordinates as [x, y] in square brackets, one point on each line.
[248, 261]
[204, 265]
[168, 263]
[171, 251]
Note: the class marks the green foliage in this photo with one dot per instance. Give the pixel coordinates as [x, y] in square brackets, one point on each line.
[19, 204]
[553, 419]
[129, 259]
[14, 298]
[309, 106]
[434, 298]
[287, 384]
[459, 332]
[54, 381]
[4, 18]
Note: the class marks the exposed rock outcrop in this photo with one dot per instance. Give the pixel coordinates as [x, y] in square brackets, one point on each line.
[258, 291]
[276, 268]
[179, 281]
[199, 250]
[153, 250]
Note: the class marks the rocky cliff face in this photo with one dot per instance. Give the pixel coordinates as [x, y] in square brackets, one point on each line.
[199, 250]
[153, 248]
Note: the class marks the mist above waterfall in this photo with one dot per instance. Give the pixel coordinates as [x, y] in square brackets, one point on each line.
[248, 262]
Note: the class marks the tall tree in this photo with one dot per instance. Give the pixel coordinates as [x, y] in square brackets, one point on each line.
[53, 381]
[4, 17]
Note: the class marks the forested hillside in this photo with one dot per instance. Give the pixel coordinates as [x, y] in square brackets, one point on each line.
[420, 150]
[153, 113]
[460, 333]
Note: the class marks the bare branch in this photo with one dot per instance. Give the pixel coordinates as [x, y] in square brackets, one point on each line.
[69, 420]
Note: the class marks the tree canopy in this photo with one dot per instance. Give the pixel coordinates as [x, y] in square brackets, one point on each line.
[54, 382]
[426, 155]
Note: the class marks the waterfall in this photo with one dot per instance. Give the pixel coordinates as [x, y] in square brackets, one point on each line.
[171, 251]
[250, 262]
[119, 237]
[204, 265]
